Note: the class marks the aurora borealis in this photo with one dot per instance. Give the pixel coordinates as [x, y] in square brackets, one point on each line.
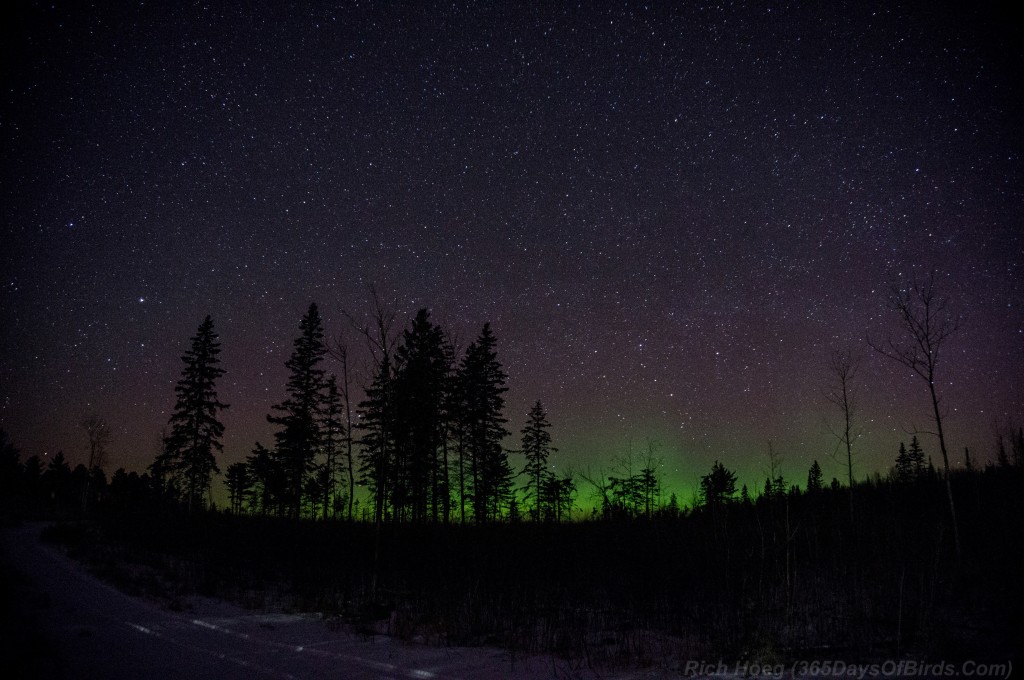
[671, 215]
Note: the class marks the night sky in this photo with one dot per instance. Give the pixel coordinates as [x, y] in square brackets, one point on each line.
[670, 215]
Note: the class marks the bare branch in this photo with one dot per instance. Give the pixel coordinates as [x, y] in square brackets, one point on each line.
[600, 487]
[378, 333]
[928, 322]
[98, 434]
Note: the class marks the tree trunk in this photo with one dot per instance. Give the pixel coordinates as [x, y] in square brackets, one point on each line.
[945, 465]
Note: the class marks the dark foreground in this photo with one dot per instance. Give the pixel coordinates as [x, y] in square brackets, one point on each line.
[61, 622]
[786, 581]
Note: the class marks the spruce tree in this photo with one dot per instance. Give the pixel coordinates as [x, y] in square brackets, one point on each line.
[377, 411]
[239, 485]
[188, 457]
[903, 472]
[562, 498]
[333, 432]
[483, 387]
[420, 381]
[267, 479]
[376, 420]
[915, 458]
[672, 509]
[815, 480]
[340, 352]
[719, 486]
[648, 488]
[536, 443]
[300, 434]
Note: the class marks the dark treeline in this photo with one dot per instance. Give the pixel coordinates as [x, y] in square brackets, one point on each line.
[52, 489]
[451, 540]
[785, 575]
[427, 440]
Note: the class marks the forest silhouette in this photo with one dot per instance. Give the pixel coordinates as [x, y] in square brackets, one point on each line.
[408, 513]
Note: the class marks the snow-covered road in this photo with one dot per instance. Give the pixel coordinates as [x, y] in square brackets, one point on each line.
[85, 629]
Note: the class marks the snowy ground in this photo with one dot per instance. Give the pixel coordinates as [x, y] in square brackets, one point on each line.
[65, 623]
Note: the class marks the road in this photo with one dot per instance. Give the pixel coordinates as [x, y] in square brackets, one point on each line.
[62, 622]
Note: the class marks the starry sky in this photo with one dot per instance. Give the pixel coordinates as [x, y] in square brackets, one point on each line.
[672, 214]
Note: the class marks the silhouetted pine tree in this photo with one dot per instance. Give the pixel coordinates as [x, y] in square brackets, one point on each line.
[340, 352]
[622, 492]
[482, 387]
[671, 509]
[376, 411]
[188, 451]
[268, 480]
[910, 463]
[300, 434]
[376, 420]
[815, 480]
[903, 471]
[915, 458]
[536, 443]
[458, 435]
[558, 497]
[774, 488]
[420, 380]
[333, 435]
[236, 478]
[648, 488]
[718, 486]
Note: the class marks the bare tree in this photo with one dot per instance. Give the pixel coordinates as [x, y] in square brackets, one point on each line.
[600, 487]
[376, 409]
[775, 485]
[376, 412]
[98, 433]
[625, 492]
[843, 394]
[927, 322]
